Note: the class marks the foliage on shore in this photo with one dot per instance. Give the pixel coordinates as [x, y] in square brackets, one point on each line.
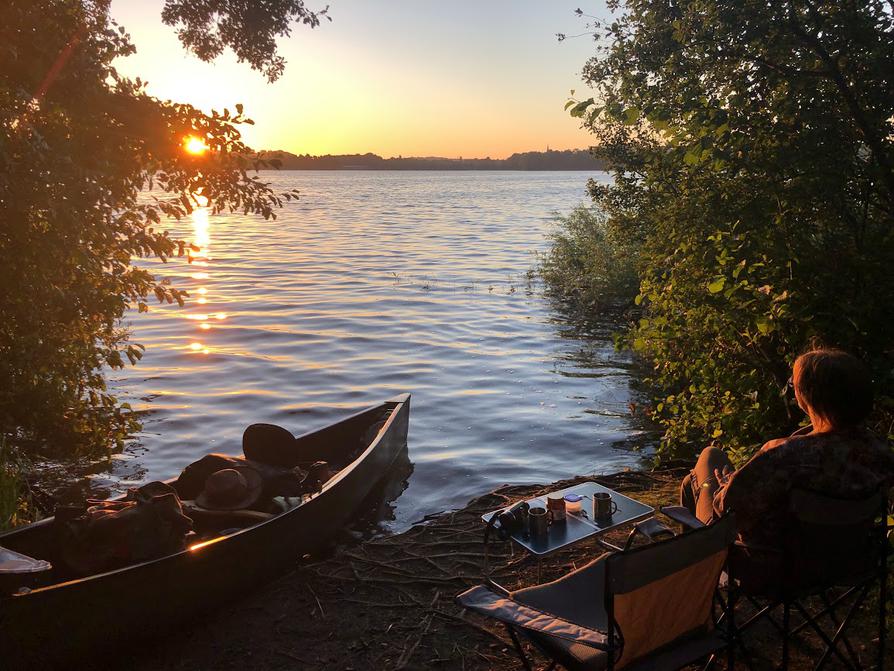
[79, 143]
[753, 148]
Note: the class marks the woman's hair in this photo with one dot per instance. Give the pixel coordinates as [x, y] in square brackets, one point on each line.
[836, 385]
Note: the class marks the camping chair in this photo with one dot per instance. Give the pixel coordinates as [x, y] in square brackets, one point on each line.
[646, 608]
[834, 550]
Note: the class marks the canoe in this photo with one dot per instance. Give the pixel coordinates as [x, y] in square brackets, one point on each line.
[52, 625]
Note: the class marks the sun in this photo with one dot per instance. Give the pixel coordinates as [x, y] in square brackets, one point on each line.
[194, 145]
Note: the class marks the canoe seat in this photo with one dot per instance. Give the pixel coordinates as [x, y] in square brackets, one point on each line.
[204, 518]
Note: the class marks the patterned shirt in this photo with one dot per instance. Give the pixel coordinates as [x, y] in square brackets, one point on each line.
[845, 464]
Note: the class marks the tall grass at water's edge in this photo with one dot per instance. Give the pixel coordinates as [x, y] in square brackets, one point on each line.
[15, 506]
[586, 262]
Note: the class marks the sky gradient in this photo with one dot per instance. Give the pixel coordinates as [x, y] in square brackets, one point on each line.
[394, 77]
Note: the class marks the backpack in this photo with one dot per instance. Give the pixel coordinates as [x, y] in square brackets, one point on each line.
[104, 535]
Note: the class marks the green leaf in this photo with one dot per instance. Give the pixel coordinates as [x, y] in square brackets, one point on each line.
[716, 285]
[581, 108]
[692, 157]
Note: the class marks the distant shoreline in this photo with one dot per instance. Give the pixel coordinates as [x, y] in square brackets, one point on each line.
[552, 161]
[436, 169]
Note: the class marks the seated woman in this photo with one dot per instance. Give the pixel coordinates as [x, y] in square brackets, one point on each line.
[836, 455]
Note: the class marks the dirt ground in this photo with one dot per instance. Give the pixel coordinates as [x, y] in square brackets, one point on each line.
[387, 603]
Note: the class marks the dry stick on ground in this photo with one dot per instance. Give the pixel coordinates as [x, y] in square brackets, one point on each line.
[316, 598]
[405, 658]
[292, 656]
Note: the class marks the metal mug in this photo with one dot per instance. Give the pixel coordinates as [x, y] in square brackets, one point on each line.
[603, 506]
[538, 521]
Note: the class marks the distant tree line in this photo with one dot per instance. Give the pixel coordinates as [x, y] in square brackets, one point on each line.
[571, 159]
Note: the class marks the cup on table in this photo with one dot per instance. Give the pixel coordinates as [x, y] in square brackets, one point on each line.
[538, 522]
[603, 506]
[555, 503]
[573, 504]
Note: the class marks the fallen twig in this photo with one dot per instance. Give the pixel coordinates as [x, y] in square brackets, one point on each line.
[408, 654]
[319, 605]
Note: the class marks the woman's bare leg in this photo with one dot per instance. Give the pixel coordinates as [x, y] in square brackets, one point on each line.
[698, 488]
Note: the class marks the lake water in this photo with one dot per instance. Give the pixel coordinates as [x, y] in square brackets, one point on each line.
[372, 284]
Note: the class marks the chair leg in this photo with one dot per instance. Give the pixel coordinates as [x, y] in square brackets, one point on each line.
[730, 613]
[786, 608]
[839, 600]
[830, 611]
[882, 615]
[738, 630]
[518, 648]
[832, 645]
[763, 612]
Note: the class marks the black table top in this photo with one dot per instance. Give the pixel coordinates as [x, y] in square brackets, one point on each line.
[578, 527]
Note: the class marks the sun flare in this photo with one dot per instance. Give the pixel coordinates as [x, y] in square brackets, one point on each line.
[195, 146]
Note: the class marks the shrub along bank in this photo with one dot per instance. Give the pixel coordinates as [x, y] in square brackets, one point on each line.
[753, 197]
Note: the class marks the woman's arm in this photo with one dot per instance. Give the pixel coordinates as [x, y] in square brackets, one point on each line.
[754, 489]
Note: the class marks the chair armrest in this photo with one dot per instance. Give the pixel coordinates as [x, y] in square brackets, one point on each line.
[482, 600]
[650, 529]
[682, 516]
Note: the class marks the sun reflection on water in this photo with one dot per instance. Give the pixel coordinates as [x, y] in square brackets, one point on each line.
[201, 228]
[201, 225]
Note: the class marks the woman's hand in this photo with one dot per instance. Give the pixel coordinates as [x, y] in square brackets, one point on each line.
[722, 476]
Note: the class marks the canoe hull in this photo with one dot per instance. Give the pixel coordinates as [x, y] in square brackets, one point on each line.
[55, 625]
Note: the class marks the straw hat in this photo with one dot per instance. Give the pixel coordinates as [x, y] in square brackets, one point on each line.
[231, 489]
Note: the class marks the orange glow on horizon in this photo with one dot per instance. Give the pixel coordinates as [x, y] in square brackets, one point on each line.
[345, 88]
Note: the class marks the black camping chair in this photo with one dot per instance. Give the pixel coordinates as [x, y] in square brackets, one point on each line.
[646, 608]
[833, 553]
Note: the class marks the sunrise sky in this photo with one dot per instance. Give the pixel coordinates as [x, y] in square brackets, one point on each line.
[469, 78]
